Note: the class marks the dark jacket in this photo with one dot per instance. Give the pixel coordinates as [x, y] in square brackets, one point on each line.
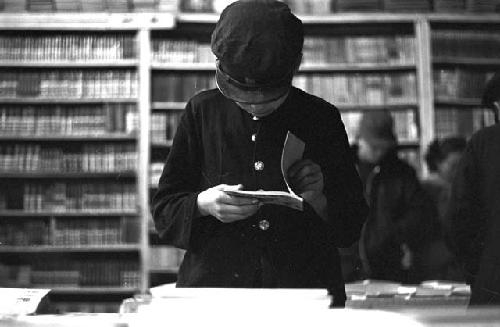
[474, 213]
[213, 145]
[401, 215]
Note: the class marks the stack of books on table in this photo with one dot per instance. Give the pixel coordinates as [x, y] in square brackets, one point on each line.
[387, 294]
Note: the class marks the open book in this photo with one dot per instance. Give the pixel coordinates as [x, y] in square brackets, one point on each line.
[293, 150]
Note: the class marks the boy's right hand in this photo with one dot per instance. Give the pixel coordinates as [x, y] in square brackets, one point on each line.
[226, 208]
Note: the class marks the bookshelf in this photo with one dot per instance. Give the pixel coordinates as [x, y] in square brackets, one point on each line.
[102, 110]
[74, 123]
[464, 57]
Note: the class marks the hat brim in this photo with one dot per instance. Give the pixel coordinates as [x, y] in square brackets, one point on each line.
[246, 93]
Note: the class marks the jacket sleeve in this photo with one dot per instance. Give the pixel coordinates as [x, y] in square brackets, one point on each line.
[347, 208]
[463, 212]
[174, 205]
[417, 223]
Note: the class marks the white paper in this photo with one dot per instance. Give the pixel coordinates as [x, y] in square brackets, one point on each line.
[20, 301]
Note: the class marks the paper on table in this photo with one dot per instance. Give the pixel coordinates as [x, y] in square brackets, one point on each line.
[293, 150]
[20, 301]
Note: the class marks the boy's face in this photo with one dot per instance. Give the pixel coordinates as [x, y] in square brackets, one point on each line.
[262, 109]
[372, 152]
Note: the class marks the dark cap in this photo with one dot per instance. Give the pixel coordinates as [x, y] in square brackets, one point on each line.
[258, 44]
[377, 127]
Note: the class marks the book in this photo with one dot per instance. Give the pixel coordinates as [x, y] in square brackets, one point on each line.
[293, 150]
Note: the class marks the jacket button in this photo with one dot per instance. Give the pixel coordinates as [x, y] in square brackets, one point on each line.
[264, 224]
[258, 165]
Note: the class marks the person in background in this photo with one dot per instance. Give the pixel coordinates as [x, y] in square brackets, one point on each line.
[474, 208]
[442, 158]
[400, 220]
[231, 138]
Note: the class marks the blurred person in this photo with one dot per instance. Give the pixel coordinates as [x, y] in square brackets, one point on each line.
[399, 224]
[442, 158]
[231, 138]
[474, 209]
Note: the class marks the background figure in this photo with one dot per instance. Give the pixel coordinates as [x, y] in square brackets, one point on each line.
[474, 209]
[442, 158]
[400, 220]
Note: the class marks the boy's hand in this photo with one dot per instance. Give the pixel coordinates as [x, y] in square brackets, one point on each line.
[226, 208]
[306, 179]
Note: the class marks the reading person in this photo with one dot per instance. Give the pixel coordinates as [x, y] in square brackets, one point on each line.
[231, 138]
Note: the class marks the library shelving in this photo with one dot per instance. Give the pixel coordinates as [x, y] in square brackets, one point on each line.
[464, 57]
[74, 122]
[89, 105]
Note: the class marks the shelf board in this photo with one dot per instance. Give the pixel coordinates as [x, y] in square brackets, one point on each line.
[70, 64]
[101, 213]
[459, 102]
[66, 100]
[305, 68]
[71, 249]
[466, 61]
[343, 107]
[356, 67]
[86, 21]
[168, 144]
[463, 18]
[212, 18]
[58, 289]
[168, 105]
[74, 138]
[183, 66]
[362, 107]
[379, 17]
[56, 175]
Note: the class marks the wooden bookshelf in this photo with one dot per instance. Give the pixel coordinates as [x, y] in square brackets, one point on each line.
[100, 28]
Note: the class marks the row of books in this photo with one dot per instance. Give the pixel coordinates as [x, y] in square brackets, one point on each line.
[361, 89]
[359, 49]
[44, 120]
[451, 122]
[460, 83]
[179, 87]
[70, 47]
[322, 7]
[466, 44]
[89, 158]
[405, 124]
[69, 232]
[181, 51]
[95, 232]
[47, 272]
[164, 125]
[88, 5]
[165, 257]
[26, 232]
[72, 83]
[342, 49]
[76, 197]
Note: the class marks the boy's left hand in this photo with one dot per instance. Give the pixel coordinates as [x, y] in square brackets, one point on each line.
[306, 179]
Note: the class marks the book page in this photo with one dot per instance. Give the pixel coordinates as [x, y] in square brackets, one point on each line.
[293, 149]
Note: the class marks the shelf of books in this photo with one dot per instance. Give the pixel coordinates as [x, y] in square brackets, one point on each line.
[70, 205]
[464, 56]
